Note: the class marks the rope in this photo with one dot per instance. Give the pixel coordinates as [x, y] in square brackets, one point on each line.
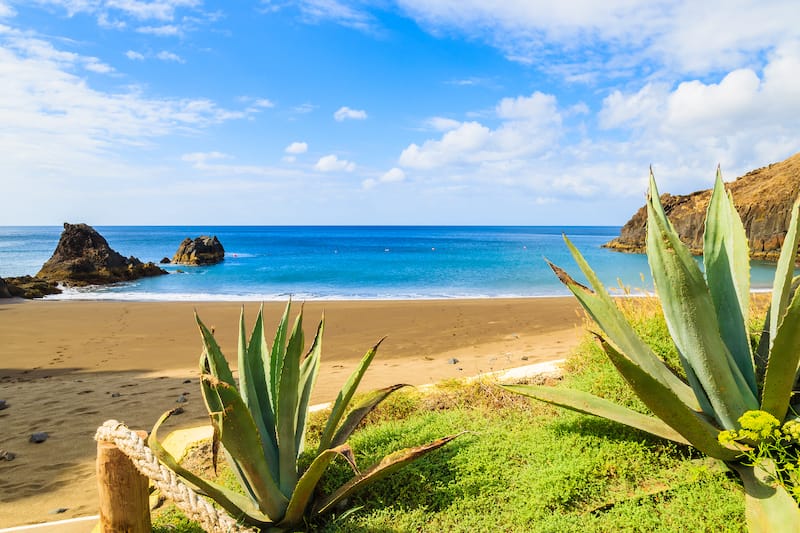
[187, 500]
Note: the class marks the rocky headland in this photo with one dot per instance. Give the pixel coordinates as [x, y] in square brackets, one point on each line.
[203, 250]
[763, 198]
[83, 257]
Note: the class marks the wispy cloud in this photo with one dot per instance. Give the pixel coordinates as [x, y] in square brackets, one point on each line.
[331, 163]
[165, 55]
[393, 175]
[134, 56]
[297, 148]
[345, 113]
[167, 30]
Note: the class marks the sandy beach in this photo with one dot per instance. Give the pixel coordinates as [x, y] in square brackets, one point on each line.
[67, 366]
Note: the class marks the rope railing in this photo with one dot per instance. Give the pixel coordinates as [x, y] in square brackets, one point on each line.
[187, 500]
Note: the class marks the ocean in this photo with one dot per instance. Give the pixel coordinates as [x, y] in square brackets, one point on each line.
[336, 262]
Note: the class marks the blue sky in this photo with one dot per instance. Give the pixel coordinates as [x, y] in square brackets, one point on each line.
[385, 112]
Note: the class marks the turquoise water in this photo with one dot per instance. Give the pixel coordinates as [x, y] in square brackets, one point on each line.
[272, 263]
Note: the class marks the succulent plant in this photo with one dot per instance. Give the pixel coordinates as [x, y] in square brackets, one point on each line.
[707, 315]
[260, 426]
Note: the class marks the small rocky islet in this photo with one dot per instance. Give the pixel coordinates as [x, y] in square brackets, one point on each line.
[84, 257]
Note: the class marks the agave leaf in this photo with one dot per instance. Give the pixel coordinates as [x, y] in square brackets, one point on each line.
[344, 397]
[288, 398]
[784, 271]
[607, 315]
[768, 508]
[231, 501]
[692, 322]
[726, 257]
[309, 369]
[386, 466]
[783, 361]
[307, 484]
[216, 363]
[663, 402]
[357, 414]
[239, 436]
[253, 387]
[761, 355]
[586, 403]
[277, 356]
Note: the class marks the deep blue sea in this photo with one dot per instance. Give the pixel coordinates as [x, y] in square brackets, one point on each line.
[335, 262]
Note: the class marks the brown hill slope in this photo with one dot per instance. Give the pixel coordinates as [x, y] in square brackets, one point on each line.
[763, 198]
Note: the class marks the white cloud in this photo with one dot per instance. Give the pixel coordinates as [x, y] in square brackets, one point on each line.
[6, 11]
[393, 175]
[331, 163]
[200, 159]
[529, 125]
[48, 102]
[134, 56]
[264, 103]
[442, 123]
[166, 30]
[344, 113]
[297, 148]
[679, 35]
[304, 108]
[104, 21]
[164, 55]
[316, 11]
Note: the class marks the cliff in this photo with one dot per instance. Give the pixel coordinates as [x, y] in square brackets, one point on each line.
[763, 198]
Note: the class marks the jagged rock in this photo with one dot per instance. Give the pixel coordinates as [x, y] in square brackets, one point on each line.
[165, 261]
[763, 198]
[83, 257]
[30, 287]
[4, 292]
[203, 250]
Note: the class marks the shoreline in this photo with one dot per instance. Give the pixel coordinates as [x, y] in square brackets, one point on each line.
[67, 366]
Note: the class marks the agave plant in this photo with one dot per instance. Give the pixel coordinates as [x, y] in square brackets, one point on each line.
[261, 424]
[707, 317]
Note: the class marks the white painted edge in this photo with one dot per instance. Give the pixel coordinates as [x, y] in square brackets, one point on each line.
[50, 524]
[522, 372]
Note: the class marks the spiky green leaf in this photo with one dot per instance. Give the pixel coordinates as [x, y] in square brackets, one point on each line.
[663, 402]
[233, 502]
[344, 397]
[606, 314]
[253, 387]
[307, 484]
[309, 369]
[586, 403]
[692, 322]
[362, 409]
[784, 272]
[216, 363]
[286, 415]
[726, 257]
[783, 361]
[239, 436]
[386, 466]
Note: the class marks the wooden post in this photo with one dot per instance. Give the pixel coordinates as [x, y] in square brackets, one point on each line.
[124, 500]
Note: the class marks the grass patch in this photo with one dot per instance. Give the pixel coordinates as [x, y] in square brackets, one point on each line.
[527, 466]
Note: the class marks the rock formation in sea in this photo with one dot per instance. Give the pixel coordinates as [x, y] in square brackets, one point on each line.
[27, 287]
[83, 257]
[763, 198]
[203, 250]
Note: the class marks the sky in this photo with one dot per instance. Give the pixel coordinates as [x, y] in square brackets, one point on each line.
[410, 112]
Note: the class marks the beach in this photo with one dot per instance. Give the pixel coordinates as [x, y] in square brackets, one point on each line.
[67, 366]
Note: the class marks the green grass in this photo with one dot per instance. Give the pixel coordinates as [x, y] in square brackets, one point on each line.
[527, 466]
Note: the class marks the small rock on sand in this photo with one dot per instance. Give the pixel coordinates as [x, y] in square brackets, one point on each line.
[181, 399]
[3, 405]
[115, 395]
[7, 456]
[452, 361]
[38, 437]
